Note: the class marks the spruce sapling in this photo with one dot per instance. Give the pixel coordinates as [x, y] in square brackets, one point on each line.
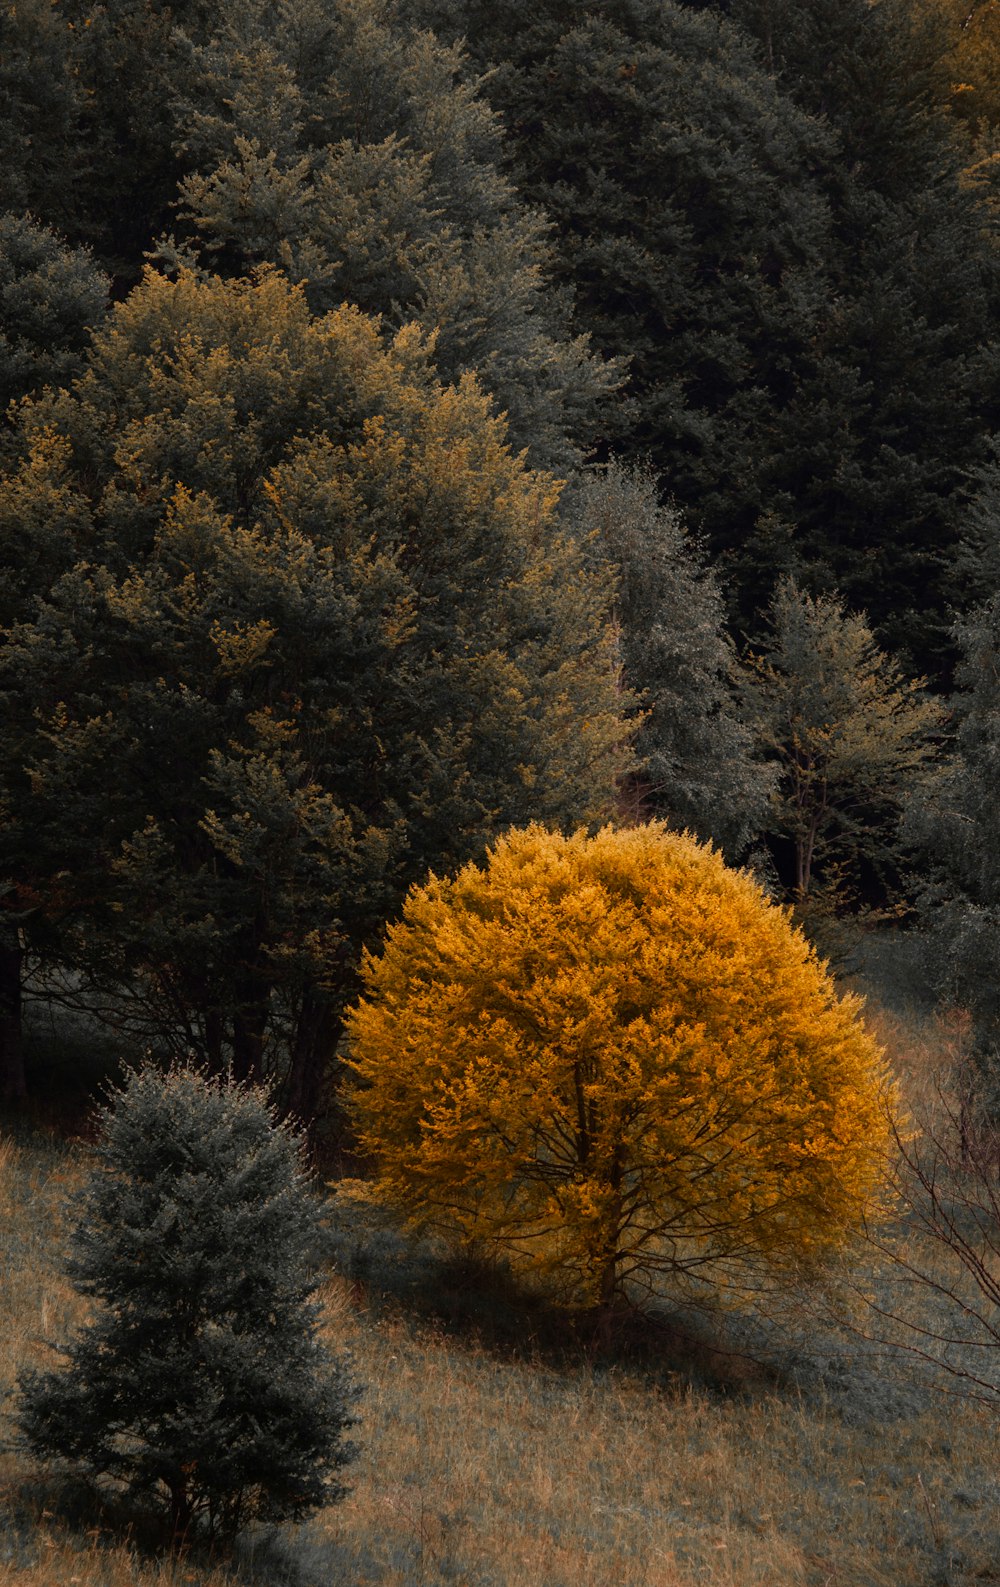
[201, 1384]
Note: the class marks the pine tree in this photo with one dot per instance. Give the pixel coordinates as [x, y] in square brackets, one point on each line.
[768, 217]
[698, 764]
[306, 628]
[342, 145]
[44, 100]
[851, 739]
[691, 231]
[203, 1384]
[914, 294]
[958, 832]
[51, 297]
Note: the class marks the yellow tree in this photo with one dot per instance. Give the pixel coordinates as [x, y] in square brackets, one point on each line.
[612, 1059]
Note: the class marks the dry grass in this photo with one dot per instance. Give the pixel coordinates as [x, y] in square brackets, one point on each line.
[493, 1471]
[925, 1054]
[482, 1471]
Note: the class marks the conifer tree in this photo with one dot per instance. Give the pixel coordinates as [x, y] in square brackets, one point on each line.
[202, 1386]
[342, 145]
[914, 284]
[43, 98]
[698, 766]
[850, 737]
[767, 215]
[958, 831]
[51, 297]
[307, 628]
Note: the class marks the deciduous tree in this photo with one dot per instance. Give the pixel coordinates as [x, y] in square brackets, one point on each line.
[614, 1060]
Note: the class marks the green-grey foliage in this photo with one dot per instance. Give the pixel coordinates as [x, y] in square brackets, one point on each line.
[51, 297]
[342, 145]
[911, 392]
[775, 231]
[202, 1384]
[43, 98]
[850, 736]
[305, 629]
[699, 768]
[959, 835]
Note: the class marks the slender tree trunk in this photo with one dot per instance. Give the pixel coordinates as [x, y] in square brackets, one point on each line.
[612, 1251]
[181, 1514]
[319, 1030]
[249, 1025]
[800, 867]
[13, 1083]
[215, 1031]
[250, 1014]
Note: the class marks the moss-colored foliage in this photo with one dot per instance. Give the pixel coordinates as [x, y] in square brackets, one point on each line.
[615, 1060]
[201, 1385]
[305, 628]
[850, 736]
[699, 768]
[51, 297]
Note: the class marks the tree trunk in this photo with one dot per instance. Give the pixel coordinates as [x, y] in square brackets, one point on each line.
[215, 1031]
[319, 1030]
[13, 1084]
[181, 1514]
[612, 1253]
[248, 1047]
[249, 1027]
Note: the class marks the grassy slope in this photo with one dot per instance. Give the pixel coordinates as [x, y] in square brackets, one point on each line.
[493, 1470]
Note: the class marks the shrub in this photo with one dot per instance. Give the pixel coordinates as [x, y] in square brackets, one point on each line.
[201, 1382]
[614, 1060]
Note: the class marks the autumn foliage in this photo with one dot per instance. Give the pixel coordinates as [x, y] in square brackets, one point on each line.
[613, 1060]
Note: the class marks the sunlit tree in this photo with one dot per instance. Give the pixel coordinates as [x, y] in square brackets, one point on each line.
[613, 1060]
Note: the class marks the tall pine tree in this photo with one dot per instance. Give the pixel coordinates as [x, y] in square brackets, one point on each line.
[305, 627]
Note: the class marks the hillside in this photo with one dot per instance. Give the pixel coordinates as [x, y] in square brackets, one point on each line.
[495, 1451]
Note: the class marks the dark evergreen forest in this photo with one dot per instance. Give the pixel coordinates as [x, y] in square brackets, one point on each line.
[422, 417]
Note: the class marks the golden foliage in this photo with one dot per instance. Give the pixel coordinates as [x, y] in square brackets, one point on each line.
[613, 1058]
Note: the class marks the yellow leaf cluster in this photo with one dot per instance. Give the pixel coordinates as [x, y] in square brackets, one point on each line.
[614, 1059]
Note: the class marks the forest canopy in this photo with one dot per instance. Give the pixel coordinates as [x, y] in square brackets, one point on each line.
[428, 417]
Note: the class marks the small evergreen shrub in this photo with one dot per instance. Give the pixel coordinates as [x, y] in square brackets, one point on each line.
[201, 1384]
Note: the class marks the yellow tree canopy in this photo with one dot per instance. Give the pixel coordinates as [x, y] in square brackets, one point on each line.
[613, 1059]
